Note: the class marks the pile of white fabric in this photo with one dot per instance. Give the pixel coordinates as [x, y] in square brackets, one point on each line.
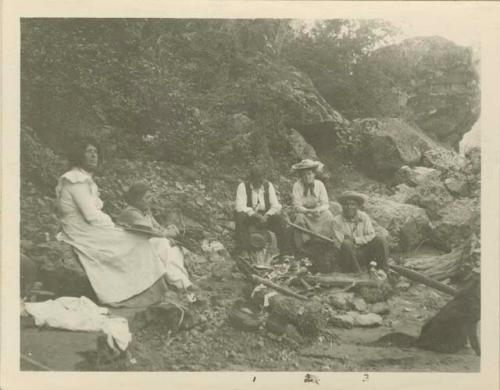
[81, 314]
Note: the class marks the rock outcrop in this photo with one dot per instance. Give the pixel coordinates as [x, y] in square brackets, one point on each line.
[458, 221]
[430, 81]
[408, 225]
[388, 144]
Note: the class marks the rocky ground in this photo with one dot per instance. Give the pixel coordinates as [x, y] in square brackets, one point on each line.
[190, 123]
[216, 344]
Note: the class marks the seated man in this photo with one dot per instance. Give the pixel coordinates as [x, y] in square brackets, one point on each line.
[354, 230]
[310, 200]
[257, 206]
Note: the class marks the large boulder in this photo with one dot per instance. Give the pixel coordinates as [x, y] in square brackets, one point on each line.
[408, 225]
[60, 270]
[415, 176]
[443, 160]
[431, 195]
[389, 143]
[427, 80]
[458, 221]
[402, 193]
[295, 89]
[301, 149]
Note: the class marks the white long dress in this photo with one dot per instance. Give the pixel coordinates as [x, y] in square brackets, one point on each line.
[119, 264]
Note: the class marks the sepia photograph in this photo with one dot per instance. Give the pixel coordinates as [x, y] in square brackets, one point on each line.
[248, 194]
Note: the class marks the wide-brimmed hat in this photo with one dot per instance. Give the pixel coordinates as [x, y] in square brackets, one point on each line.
[307, 164]
[352, 195]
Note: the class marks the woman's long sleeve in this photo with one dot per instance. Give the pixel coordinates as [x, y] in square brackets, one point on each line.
[80, 192]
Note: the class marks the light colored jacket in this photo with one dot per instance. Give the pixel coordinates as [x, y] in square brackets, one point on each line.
[360, 230]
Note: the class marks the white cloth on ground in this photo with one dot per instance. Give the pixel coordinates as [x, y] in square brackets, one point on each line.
[80, 314]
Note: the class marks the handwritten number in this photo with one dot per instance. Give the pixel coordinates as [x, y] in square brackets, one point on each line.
[365, 378]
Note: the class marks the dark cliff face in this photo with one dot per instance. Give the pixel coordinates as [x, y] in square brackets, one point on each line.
[428, 81]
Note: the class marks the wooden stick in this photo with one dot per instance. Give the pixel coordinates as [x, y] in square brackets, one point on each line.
[418, 277]
[284, 290]
[307, 231]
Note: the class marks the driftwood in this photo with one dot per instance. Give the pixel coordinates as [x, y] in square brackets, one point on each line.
[439, 267]
[340, 280]
[418, 277]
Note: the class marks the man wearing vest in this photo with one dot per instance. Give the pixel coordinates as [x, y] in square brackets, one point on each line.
[257, 205]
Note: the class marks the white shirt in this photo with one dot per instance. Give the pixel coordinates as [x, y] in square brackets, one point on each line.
[258, 202]
[301, 201]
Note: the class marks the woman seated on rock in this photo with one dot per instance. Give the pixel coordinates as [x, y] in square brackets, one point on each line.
[310, 200]
[121, 265]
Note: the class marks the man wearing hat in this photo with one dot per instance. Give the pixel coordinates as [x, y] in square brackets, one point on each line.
[354, 230]
[257, 206]
[310, 201]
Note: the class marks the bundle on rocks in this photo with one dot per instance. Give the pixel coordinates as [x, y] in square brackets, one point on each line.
[308, 317]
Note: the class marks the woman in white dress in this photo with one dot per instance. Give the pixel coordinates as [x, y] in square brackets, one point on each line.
[310, 201]
[119, 264]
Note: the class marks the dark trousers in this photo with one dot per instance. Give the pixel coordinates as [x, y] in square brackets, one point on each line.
[352, 255]
[275, 223]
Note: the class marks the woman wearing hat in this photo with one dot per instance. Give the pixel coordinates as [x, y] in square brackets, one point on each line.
[310, 200]
[354, 230]
[138, 215]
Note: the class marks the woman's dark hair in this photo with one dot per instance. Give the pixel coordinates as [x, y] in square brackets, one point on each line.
[77, 151]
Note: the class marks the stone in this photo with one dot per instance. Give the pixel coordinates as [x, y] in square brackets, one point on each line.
[345, 321]
[457, 222]
[380, 308]
[28, 275]
[368, 320]
[457, 184]
[403, 285]
[397, 218]
[390, 143]
[276, 324]
[164, 316]
[402, 193]
[306, 106]
[416, 175]
[301, 149]
[359, 304]
[60, 271]
[230, 225]
[445, 103]
[341, 300]
[431, 196]
[443, 160]
[244, 321]
[240, 123]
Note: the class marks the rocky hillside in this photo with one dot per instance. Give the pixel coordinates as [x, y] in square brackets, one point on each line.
[188, 105]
